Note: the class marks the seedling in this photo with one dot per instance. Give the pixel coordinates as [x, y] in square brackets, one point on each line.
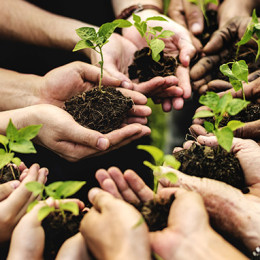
[221, 106]
[202, 4]
[237, 74]
[16, 141]
[90, 38]
[57, 190]
[252, 30]
[152, 35]
[160, 159]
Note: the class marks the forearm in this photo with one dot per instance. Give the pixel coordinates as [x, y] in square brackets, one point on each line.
[120, 5]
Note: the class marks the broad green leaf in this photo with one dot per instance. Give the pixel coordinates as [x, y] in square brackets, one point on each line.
[31, 205]
[83, 44]
[143, 27]
[44, 212]
[156, 18]
[236, 105]
[69, 188]
[172, 177]
[225, 138]
[209, 126]
[35, 187]
[121, 23]
[240, 70]
[70, 206]
[155, 152]
[22, 146]
[136, 18]
[5, 159]
[203, 114]
[210, 100]
[257, 26]
[2, 151]
[11, 131]
[16, 161]
[51, 188]
[223, 102]
[224, 68]
[156, 46]
[235, 124]
[87, 33]
[170, 160]
[150, 165]
[258, 49]
[157, 28]
[29, 132]
[4, 140]
[236, 84]
[106, 30]
[211, 1]
[165, 34]
[139, 29]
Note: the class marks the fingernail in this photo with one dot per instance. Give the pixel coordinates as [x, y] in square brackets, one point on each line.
[196, 28]
[102, 143]
[14, 184]
[46, 171]
[126, 84]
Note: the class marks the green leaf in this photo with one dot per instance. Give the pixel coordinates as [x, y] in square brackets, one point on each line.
[5, 158]
[240, 70]
[258, 49]
[139, 29]
[236, 105]
[209, 126]
[87, 33]
[225, 138]
[35, 187]
[44, 212]
[29, 132]
[106, 30]
[170, 160]
[223, 102]
[68, 188]
[136, 18]
[83, 44]
[121, 23]
[22, 146]
[150, 165]
[4, 140]
[156, 46]
[157, 28]
[235, 124]
[11, 131]
[165, 34]
[211, 1]
[17, 161]
[70, 206]
[31, 205]
[224, 68]
[210, 100]
[155, 152]
[51, 188]
[236, 84]
[172, 177]
[156, 18]
[203, 114]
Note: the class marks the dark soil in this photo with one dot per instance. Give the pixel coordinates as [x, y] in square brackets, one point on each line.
[103, 111]
[145, 68]
[211, 162]
[57, 230]
[155, 212]
[9, 173]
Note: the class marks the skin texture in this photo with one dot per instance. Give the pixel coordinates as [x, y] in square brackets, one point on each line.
[97, 228]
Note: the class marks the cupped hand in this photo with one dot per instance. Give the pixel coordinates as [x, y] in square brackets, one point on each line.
[111, 228]
[14, 205]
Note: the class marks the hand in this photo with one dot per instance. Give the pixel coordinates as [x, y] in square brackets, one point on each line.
[61, 134]
[109, 229]
[16, 198]
[28, 237]
[128, 186]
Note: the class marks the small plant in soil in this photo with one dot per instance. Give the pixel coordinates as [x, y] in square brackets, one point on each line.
[219, 108]
[252, 33]
[103, 108]
[15, 141]
[151, 61]
[59, 223]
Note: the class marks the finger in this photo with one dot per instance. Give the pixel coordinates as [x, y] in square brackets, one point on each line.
[22, 167]
[187, 50]
[139, 120]
[207, 140]
[201, 83]
[176, 12]
[183, 76]
[7, 188]
[177, 103]
[140, 110]
[177, 149]
[254, 75]
[197, 130]
[188, 144]
[137, 97]
[250, 130]
[166, 105]
[100, 199]
[219, 85]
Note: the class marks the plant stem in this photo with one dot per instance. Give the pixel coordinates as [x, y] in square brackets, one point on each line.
[101, 67]
[12, 171]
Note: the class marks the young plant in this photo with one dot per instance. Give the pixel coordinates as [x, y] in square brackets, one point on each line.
[152, 35]
[221, 106]
[16, 141]
[57, 190]
[160, 159]
[90, 38]
[237, 74]
[202, 4]
[252, 30]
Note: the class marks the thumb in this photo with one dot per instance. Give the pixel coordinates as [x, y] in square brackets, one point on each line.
[7, 188]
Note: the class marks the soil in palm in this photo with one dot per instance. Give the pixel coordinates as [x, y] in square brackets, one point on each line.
[9, 173]
[102, 110]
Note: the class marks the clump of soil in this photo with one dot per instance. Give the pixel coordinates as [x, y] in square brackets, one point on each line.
[155, 212]
[145, 68]
[211, 162]
[9, 173]
[57, 230]
[103, 111]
